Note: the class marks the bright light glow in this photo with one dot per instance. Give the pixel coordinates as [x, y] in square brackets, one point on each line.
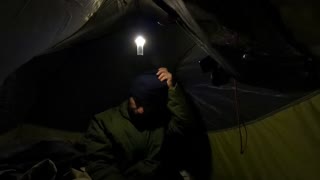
[140, 43]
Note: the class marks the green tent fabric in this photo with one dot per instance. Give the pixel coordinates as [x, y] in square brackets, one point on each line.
[284, 145]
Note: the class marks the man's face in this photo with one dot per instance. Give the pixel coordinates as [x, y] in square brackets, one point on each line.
[145, 115]
[135, 108]
[137, 115]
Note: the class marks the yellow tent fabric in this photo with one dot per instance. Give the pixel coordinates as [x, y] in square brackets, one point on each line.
[285, 145]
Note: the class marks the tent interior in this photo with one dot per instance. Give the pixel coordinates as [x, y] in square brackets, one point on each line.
[251, 69]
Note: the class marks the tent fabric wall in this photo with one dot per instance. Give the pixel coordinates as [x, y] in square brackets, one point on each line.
[28, 134]
[302, 19]
[198, 35]
[28, 28]
[284, 145]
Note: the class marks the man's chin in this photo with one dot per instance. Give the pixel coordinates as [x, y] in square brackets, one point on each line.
[138, 122]
[142, 124]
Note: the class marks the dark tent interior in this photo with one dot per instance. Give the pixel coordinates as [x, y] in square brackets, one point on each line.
[250, 68]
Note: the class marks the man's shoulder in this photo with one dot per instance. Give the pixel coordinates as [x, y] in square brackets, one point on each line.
[111, 112]
[107, 113]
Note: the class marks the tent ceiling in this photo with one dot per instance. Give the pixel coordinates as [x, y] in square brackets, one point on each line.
[83, 57]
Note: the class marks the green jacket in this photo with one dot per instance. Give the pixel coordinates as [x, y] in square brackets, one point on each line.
[117, 150]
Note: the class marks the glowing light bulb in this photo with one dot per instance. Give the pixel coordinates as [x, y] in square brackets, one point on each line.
[140, 41]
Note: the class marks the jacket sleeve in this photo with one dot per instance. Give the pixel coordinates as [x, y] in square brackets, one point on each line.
[149, 166]
[102, 164]
[182, 119]
[144, 169]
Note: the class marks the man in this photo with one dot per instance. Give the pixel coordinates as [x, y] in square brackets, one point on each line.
[125, 142]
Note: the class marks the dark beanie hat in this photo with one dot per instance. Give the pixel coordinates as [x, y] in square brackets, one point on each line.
[149, 90]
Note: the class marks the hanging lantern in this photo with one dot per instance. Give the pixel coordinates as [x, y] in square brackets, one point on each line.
[140, 41]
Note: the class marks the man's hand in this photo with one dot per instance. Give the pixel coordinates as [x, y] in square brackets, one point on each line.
[164, 75]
